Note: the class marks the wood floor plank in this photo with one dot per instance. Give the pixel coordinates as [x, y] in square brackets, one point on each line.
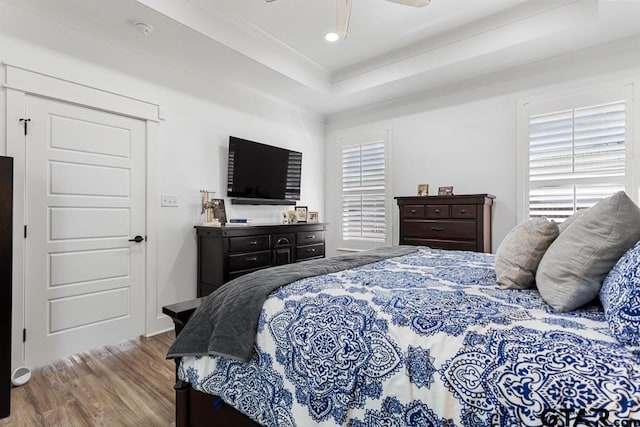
[123, 384]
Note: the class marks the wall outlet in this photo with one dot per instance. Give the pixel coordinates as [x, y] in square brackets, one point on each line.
[169, 200]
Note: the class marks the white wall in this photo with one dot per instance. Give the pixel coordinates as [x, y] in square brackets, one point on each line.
[464, 145]
[465, 135]
[192, 140]
[193, 155]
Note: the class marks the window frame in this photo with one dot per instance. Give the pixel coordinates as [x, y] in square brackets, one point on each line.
[576, 99]
[359, 137]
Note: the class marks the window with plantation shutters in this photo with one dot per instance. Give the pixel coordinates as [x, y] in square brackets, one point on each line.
[577, 155]
[364, 188]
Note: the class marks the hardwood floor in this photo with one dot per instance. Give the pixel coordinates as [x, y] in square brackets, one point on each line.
[124, 384]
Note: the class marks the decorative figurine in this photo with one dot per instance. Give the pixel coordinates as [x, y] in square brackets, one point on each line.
[207, 205]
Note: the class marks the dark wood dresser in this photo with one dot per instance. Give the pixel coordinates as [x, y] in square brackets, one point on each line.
[6, 244]
[225, 253]
[447, 222]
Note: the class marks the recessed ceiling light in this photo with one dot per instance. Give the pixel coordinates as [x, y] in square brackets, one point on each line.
[332, 37]
[144, 28]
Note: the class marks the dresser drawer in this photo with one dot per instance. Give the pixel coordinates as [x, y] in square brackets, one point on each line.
[452, 229]
[309, 237]
[246, 244]
[310, 251]
[463, 211]
[443, 244]
[437, 211]
[413, 211]
[250, 260]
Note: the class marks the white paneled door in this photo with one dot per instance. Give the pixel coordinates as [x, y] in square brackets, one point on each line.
[85, 193]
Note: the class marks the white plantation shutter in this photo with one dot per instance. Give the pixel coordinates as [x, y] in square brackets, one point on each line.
[577, 156]
[364, 216]
[294, 172]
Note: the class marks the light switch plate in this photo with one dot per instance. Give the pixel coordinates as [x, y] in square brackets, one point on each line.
[169, 200]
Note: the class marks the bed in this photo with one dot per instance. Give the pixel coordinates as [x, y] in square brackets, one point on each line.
[420, 338]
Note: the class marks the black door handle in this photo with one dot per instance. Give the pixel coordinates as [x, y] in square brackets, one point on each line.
[137, 239]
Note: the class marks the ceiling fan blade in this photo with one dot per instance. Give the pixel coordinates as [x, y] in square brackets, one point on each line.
[343, 14]
[414, 3]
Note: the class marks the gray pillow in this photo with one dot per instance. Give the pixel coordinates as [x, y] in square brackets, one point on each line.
[571, 272]
[567, 222]
[520, 252]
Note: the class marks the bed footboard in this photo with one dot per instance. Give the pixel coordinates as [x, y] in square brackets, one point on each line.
[197, 409]
[194, 408]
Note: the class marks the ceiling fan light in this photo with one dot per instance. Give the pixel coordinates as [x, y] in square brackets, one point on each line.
[332, 37]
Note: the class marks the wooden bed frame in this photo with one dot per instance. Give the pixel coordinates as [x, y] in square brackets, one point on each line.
[195, 408]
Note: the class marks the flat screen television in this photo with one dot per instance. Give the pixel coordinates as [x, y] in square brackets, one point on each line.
[262, 174]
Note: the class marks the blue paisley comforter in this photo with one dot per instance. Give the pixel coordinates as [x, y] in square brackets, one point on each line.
[425, 339]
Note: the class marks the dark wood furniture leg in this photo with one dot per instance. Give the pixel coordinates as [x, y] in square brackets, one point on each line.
[182, 402]
[194, 408]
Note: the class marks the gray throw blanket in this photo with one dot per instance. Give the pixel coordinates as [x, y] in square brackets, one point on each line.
[226, 322]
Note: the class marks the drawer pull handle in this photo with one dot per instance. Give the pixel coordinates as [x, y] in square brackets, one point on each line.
[282, 241]
[253, 258]
[437, 228]
[311, 250]
[463, 211]
[310, 236]
[413, 211]
[437, 211]
[253, 243]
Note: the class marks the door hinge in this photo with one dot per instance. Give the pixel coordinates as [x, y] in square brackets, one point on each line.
[24, 335]
[25, 231]
[25, 121]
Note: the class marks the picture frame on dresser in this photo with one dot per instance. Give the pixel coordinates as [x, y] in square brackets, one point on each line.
[219, 211]
[445, 191]
[302, 213]
[292, 217]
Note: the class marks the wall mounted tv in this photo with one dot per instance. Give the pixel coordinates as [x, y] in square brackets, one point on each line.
[262, 174]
